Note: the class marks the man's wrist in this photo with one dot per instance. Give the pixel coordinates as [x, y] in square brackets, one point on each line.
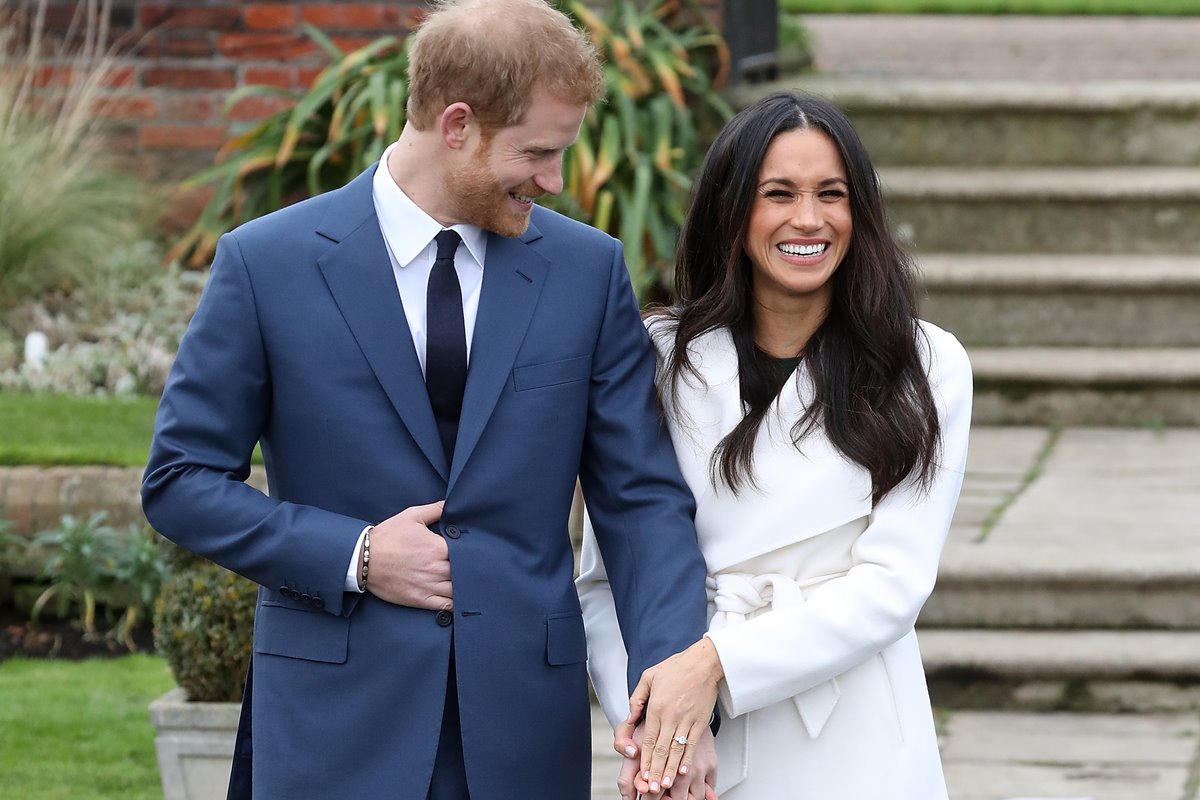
[364, 559]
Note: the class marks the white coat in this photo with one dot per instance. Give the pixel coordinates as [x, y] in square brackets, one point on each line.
[813, 592]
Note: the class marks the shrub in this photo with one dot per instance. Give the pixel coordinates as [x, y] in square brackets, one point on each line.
[204, 625]
[116, 333]
[90, 565]
[629, 174]
[62, 203]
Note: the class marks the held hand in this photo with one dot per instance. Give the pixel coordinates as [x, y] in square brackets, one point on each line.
[410, 564]
[694, 783]
[678, 696]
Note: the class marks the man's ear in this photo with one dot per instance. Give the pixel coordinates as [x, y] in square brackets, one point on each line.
[458, 125]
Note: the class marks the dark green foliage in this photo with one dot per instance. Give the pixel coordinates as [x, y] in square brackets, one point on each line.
[629, 174]
[204, 626]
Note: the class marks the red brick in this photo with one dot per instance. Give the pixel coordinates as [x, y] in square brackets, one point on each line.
[189, 77]
[180, 44]
[265, 45]
[56, 75]
[306, 75]
[190, 137]
[188, 107]
[134, 106]
[168, 15]
[270, 16]
[351, 43]
[350, 16]
[122, 76]
[256, 108]
[270, 76]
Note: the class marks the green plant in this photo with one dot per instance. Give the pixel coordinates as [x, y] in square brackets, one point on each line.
[79, 566]
[203, 625]
[62, 204]
[342, 124]
[139, 571]
[629, 173]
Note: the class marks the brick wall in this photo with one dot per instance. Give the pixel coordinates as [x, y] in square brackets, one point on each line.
[181, 59]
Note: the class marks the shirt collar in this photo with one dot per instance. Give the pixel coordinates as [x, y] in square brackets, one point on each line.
[407, 229]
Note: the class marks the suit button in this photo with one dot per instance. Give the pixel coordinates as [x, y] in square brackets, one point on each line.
[306, 599]
[285, 591]
[453, 532]
[444, 618]
[318, 603]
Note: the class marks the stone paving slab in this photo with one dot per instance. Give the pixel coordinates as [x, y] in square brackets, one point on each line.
[1115, 502]
[990, 755]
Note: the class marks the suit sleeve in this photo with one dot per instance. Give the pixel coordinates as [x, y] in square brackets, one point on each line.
[640, 508]
[212, 413]
[787, 651]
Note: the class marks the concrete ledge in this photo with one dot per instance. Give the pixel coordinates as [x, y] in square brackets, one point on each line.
[1104, 655]
[1087, 366]
[932, 95]
[1120, 184]
[1100, 273]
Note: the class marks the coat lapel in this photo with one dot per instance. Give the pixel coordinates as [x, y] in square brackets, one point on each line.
[359, 275]
[512, 283]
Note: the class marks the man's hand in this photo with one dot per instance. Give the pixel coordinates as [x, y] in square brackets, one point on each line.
[696, 779]
[678, 696]
[410, 564]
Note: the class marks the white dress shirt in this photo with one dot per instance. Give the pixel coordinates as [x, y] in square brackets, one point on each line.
[409, 235]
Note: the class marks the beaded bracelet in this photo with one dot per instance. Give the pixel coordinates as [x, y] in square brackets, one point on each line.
[366, 557]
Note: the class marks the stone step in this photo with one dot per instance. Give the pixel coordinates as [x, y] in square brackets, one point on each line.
[1073, 300]
[1136, 210]
[1066, 595]
[912, 122]
[1078, 669]
[1086, 386]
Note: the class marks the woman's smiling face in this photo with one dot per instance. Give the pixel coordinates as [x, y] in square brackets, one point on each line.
[800, 224]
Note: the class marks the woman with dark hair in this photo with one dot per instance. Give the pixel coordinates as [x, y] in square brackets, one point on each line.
[823, 430]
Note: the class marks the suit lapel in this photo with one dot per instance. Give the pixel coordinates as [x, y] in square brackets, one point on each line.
[359, 275]
[512, 283]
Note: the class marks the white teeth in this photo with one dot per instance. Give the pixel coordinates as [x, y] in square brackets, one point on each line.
[802, 249]
[523, 198]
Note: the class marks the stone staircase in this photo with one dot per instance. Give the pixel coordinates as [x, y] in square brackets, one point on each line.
[1057, 227]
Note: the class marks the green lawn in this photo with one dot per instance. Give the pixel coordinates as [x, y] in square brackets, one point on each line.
[76, 730]
[1145, 7]
[59, 429]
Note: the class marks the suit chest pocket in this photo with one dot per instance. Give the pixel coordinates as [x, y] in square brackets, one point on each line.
[551, 373]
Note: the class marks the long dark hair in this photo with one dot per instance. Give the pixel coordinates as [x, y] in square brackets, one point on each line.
[872, 395]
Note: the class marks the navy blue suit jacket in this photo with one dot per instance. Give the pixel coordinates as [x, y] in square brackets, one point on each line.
[300, 342]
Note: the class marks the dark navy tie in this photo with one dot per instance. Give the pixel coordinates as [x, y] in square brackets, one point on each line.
[446, 342]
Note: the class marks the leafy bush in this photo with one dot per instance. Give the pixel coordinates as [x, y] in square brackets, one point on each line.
[629, 174]
[203, 625]
[115, 333]
[62, 203]
[90, 564]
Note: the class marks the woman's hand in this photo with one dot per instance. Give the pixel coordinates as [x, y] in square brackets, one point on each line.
[678, 696]
[694, 783]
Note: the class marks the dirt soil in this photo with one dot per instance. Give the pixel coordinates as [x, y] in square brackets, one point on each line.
[63, 639]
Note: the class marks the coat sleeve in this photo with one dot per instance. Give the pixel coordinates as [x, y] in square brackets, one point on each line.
[211, 415]
[608, 663]
[640, 508]
[787, 651]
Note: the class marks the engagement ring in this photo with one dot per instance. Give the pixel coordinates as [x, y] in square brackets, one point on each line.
[682, 741]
